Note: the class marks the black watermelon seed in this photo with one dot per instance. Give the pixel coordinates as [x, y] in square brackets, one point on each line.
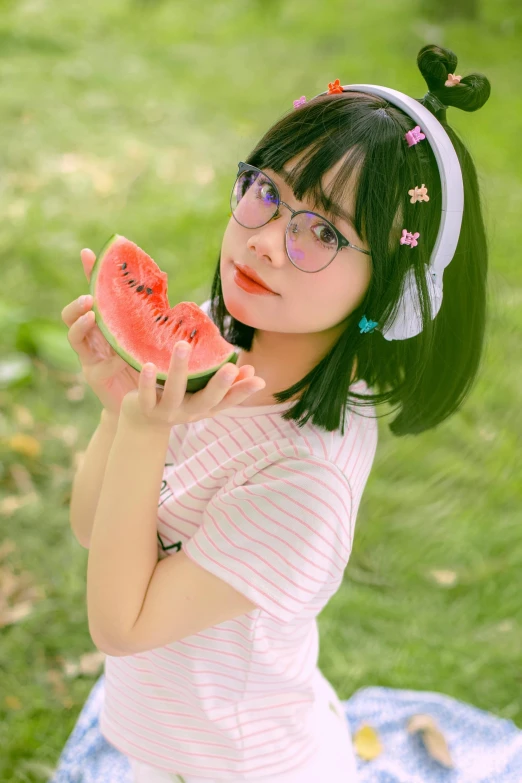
[193, 332]
[157, 319]
[124, 265]
[165, 319]
[149, 290]
[140, 288]
[125, 273]
[130, 281]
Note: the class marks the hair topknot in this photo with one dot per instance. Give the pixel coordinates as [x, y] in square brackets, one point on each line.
[436, 63]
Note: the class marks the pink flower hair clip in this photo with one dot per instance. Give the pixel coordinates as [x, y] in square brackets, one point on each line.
[414, 136]
[452, 80]
[299, 102]
[408, 238]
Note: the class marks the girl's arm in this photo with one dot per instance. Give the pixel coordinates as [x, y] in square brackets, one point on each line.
[136, 602]
[88, 478]
[123, 551]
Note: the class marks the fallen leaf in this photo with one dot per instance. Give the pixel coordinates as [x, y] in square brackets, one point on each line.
[75, 393]
[24, 444]
[68, 434]
[22, 479]
[433, 738]
[7, 547]
[55, 677]
[366, 742]
[13, 703]
[445, 578]
[89, 664]
[17, 595]
[23, 416]
[12, 503]
[13, 614]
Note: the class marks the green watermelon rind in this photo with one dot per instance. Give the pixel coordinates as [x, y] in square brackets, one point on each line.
[195, 381]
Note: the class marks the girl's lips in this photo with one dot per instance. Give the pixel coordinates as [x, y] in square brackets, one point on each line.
[249, 285]
[252, 275]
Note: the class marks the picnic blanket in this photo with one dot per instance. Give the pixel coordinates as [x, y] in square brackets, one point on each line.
[484, 748]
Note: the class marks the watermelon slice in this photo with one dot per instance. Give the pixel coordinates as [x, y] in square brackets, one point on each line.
[132, 311]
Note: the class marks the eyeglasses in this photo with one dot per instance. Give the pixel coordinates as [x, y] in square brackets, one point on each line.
[311, 241]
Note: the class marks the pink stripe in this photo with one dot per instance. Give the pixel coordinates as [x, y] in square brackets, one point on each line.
[259, 767]
[197, 731]
[274, 536]
[222, 566]
[235, 547]
[288, 711]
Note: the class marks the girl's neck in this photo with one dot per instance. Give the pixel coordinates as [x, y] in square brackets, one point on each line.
[283, 366]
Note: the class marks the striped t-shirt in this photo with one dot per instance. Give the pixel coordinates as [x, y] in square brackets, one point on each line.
[270, 508]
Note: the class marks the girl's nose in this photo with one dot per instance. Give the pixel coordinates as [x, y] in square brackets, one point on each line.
[269, 243]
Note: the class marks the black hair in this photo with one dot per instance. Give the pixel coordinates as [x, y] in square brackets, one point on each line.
[427, 376]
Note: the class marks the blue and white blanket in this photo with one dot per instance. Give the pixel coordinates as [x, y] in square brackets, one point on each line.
[484, 748]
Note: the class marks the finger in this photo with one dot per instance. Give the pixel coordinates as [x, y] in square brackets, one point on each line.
[245, 371]
[77, 335]
[214, 391]
[88, 261]
[147, 388]
[175, 387]
[239, 392]
[74, 310]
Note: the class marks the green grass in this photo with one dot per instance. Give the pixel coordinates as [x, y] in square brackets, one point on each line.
[122, 117]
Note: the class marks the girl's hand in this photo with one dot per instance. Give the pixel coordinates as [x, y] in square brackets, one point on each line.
[145, 407]
[108, 375]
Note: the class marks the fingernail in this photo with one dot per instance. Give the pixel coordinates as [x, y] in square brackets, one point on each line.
[182, 351]
[83, 300]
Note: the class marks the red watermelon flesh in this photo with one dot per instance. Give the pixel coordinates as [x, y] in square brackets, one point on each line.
[132, 310]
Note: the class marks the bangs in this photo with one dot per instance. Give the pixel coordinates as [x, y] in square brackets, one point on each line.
[366, 132]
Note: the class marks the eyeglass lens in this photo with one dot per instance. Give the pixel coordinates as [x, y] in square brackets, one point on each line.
[310, 242]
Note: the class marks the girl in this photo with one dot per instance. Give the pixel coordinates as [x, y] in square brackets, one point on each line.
[207, 607]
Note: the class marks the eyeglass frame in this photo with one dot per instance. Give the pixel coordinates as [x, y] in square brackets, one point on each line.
[342, 242]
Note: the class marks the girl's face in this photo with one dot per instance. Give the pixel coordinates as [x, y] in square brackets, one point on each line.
[306, 303]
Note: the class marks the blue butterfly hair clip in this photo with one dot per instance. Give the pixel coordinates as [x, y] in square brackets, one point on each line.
[366, 325]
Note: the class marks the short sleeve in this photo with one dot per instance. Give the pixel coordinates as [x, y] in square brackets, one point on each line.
[205, 307]
[282, 538]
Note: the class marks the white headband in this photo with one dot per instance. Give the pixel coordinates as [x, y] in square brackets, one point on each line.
[407, 322]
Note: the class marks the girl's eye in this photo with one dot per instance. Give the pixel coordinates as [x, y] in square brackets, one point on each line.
[266, 193]
[324, 234]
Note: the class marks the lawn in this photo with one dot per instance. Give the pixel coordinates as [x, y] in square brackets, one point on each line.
[130, 117]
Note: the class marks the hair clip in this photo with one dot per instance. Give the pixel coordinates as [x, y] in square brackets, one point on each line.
[414, 136]
[299, 102]
[334, 87]
[418, 194]
[452, 80]
[366, 325]
[408, 238]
